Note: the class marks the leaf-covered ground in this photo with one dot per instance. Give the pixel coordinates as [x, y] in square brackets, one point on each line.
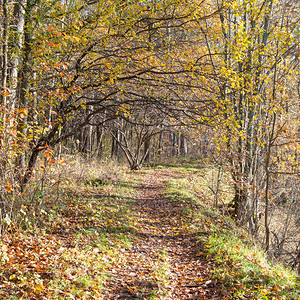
[166, 259]
[132, 239]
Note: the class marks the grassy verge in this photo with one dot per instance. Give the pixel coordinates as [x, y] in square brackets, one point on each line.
[73, 228]
[240, 265]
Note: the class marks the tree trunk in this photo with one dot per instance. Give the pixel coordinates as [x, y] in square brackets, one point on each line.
[99, 134]
[24, 75]
[115, 147]
[147, 150]
[240, 206]
[19, 18]
[160, 145]
[4, 57]
[174, 144]
[183, 145]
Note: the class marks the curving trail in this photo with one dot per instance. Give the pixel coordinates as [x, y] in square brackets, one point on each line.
[166, 259]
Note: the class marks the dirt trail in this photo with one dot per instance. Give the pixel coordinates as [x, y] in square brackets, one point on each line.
[166, 261]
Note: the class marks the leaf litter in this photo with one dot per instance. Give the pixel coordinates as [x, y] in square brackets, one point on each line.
[166, 260]
[136, 247]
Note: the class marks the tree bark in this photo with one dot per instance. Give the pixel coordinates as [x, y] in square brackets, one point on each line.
[24, 75]
[4, 57]
[147, 150]
[160, 145]
[183, 145]
[19, 18]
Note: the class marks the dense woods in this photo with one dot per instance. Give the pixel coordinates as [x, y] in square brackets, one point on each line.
[148, 81]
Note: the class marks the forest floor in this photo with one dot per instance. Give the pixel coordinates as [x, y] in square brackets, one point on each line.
[167, 259]
[134, 238]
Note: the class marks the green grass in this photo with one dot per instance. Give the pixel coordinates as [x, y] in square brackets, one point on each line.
[240, 265]
[248, 269]
[183, 163]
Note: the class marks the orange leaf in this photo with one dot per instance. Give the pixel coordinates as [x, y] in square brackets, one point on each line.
[5, 93]
[9, 188]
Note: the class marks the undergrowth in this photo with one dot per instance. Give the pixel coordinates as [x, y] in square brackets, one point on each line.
[239, 263]
[73, 224]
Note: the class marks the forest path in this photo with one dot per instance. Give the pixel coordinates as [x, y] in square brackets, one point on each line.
[166, 259]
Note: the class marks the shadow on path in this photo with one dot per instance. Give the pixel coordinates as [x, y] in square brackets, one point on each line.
[166, 260]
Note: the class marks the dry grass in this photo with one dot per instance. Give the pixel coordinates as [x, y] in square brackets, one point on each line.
[51, 180]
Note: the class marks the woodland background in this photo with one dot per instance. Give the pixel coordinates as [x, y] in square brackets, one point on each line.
[147, 81]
